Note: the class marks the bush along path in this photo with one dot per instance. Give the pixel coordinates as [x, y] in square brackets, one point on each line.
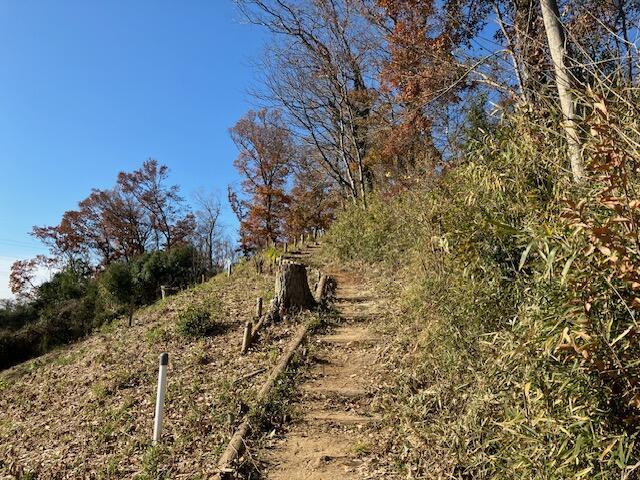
[331, 436]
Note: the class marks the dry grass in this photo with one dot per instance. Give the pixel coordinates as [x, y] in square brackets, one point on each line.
[86, 411]
[487, 288]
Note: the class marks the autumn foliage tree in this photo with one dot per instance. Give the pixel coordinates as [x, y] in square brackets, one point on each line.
[266, 152]
[108, 256]
[22, 278]
[313, 201]
[161, 202]
[140, 213]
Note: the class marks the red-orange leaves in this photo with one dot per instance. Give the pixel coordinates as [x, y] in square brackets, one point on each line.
[266, 151]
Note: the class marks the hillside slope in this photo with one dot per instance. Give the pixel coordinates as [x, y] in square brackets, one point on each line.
[86, 410]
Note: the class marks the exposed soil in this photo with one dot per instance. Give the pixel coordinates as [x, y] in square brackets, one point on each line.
[331, 438]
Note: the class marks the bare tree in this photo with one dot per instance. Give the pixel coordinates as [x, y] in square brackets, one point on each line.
[208, 229]
[321, 71]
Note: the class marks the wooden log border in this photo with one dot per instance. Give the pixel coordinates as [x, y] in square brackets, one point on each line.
[236, 444]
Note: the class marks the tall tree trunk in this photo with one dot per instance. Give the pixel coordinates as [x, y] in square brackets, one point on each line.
[517, 69]
[556, 39]
[210, 251]
[622, 14]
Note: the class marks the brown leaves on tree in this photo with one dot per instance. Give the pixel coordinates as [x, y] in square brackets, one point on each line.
[422, 69]
[313, 201]
[22, 278]
[266, 152]
[141, 212]
[162, 203]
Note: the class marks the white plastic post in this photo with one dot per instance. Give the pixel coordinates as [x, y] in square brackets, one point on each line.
[162, 387]
[163, 291]
[229, 269]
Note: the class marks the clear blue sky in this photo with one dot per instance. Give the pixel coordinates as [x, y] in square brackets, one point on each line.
[89, 88]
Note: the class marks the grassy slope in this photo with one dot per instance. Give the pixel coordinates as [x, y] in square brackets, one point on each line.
[478, 383]
[87, 409]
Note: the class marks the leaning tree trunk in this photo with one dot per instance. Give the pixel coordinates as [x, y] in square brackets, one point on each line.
[292, 291]
[556, 39]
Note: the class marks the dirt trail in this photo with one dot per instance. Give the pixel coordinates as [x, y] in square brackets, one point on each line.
[331, 435]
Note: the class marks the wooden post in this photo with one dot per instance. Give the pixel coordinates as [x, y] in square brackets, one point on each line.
[162, 387]
[246, 338]
[286, 247]
[163, 291]
[258, 307]
[131, 310]
[203, 278]
[320, 287]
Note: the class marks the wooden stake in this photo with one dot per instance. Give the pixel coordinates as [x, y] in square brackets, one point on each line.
[258, 307]
[246, 338]
[249, 375]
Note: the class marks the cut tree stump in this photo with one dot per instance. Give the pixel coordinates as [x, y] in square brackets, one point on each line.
[292, 288]
[292, 291]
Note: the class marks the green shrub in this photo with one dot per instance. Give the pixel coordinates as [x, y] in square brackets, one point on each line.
[195, 322]
[119, 283]
[73, 302]
[177, 267]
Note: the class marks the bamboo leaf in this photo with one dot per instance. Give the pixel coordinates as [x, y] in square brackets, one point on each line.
[525, 254]
[565, 269]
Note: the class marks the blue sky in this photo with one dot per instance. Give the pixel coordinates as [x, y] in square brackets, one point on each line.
[89, 88]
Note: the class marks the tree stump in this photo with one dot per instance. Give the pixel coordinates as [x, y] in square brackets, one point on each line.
[292, 291]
